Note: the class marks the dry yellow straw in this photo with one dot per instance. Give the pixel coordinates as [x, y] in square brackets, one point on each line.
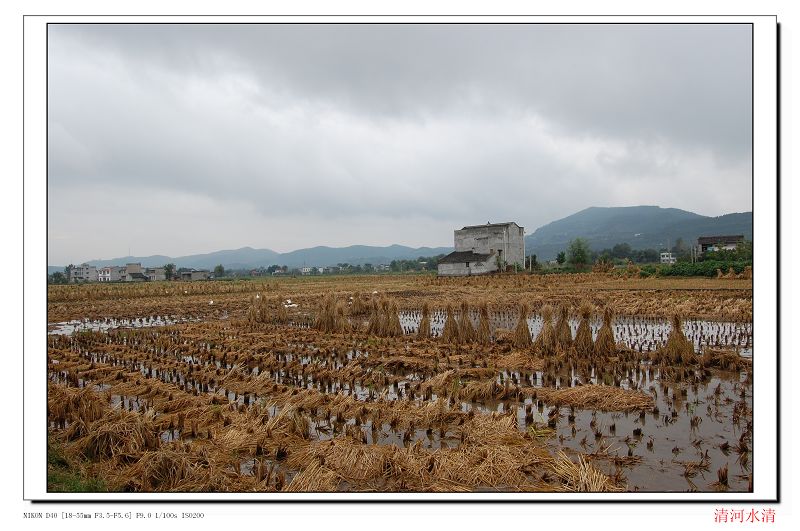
[605, 345]
[424, 330]
[450, 332]
[546, 340]
[522, 335]
[583, 338]
[483, 333]
[373, 325]
[394, 329]
[281, 315]
[563, 332]
[678, 349]
[465, 329]
[358, 307]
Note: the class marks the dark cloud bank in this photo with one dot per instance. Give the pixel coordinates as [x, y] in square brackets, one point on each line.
[178, 139]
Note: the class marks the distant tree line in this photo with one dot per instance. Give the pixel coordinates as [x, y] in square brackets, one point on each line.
[422, 263]
[578, 256]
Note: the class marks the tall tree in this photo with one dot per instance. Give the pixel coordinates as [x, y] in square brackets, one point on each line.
[219, 271]
[561, 258]
[621, 250]
[169, 271]
[578, 253]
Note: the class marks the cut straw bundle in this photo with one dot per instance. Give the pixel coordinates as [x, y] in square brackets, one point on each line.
[678, 349]
[325, 320]
[725, 360]
[584, 346]
[483, 334]
[314, 478]
[254, 312]
[341, 322]
[563, 332]
[602, 397]
[373, 325]
[522, 334]
[466, 331]
[546, 340]
[605, 346]
[331, 316]
[383, 319]
[450, 332]
[424, 330]
[358, 306]
[582, 476]
[119, 434]
[167, 470]
[281, 315]
[393, 327]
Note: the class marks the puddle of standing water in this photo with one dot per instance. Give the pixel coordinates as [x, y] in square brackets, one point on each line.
[104, 325]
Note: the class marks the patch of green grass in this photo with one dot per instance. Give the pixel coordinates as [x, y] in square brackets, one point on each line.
[64, 476]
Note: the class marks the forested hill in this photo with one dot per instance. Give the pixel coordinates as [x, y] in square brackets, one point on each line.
[642, 227]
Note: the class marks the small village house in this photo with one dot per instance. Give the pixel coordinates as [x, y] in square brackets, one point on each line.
[134, 273]
[195, 274]
[155, 273]
[110, 273]
[718, 243]
[83, 273]
[668, 258]
[481, 249]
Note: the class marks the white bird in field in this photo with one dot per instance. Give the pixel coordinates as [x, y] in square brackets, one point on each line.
[210, 302]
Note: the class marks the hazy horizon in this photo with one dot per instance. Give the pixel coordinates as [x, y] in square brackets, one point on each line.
[528, 232]
[187, 139]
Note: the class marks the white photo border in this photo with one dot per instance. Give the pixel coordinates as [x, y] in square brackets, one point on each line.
[765, 460]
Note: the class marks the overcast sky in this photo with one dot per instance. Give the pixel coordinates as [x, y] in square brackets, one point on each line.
[182, 139]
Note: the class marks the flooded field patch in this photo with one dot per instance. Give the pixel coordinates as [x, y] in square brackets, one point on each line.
[345, 392]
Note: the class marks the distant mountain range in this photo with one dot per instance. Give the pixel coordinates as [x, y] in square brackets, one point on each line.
[641, 227]
[249, 258]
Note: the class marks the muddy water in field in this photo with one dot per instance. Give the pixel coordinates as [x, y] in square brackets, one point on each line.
[103, 325]
[697, 427]
[703, 426]
[679, 445]
[693, 431]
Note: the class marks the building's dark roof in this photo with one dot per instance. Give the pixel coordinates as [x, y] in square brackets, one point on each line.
[489, 225]
[194, 271]
[711, 240]
[137, 275]
[463, 257]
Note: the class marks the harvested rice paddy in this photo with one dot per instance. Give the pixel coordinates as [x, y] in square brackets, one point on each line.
[513, 383]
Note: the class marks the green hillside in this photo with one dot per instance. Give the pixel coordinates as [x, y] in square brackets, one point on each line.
[642, 227]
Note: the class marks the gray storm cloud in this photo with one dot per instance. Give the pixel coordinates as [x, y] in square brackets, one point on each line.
[288, 136]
